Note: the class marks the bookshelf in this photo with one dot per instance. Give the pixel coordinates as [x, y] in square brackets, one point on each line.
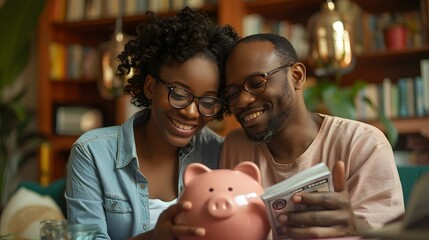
[63, 89]
[372, 66]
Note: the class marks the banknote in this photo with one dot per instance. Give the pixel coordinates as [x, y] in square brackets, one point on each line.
[277, 198]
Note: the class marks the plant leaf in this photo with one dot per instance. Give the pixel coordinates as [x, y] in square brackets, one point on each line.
[338, 102]
[312, 97]
[18, 19]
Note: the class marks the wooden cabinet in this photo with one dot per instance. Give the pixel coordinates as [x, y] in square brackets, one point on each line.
[371, 66]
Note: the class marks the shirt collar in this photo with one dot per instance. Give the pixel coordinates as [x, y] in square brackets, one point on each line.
[126, 145]
[184, 151]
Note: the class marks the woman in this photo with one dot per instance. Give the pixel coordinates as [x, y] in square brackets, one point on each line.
[123, 177]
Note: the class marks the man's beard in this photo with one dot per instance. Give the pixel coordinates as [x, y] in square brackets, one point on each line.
[274, 126]
[276, 123]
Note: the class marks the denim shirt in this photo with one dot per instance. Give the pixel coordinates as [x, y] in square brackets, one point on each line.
[105, 185]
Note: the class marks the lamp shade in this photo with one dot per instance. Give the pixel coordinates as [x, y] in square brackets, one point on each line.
[111, 86]
[331, 48]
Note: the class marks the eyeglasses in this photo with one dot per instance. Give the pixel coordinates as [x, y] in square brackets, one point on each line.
[179, 98]
[253, 85]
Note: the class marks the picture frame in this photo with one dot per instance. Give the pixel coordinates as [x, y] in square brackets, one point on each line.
[76, 119]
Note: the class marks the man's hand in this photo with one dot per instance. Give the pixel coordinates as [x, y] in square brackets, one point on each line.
[335, 217]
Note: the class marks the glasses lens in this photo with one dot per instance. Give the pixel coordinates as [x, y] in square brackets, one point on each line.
[255, 85]
[180, 97]
[209, 106]
[230, 94]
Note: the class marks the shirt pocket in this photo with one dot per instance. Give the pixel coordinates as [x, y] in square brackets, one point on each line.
[117, 204]
[119, 216]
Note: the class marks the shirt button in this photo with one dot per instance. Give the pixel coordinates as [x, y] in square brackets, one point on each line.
[142, 186]
[145, 227]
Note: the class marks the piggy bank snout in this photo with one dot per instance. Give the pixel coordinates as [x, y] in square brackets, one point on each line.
[221, 206]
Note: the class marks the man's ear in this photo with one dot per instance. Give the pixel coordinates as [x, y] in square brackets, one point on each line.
[149, 86]
[298, 75]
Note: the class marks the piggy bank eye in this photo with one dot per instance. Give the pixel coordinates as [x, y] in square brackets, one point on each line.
[230, 189]
[211, 189]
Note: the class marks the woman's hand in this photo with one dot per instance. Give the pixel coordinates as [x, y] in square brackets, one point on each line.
[334, 218]
[166, 229]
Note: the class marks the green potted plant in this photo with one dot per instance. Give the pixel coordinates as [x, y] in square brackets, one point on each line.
[18, 143]
[330, 97]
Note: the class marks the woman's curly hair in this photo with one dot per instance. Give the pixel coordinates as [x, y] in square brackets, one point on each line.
[173, 39]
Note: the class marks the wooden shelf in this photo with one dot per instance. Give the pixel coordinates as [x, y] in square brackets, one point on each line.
[409, 125]
[69, 91]
[103, 26]
[373, 67]
[389, 55]
[298, 11]
[63, 142]
[380, 6]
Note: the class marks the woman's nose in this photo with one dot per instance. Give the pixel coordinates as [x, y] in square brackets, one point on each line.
[191, 111]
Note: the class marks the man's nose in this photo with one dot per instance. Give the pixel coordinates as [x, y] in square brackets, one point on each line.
[244, 99]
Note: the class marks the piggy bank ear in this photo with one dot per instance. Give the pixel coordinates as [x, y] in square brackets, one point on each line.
[193, 170]
[250, 169]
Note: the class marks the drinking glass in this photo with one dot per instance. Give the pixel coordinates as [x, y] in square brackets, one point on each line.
[60, 230]
[53, 230]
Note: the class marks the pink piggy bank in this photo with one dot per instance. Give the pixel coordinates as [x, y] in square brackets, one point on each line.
[225, 202]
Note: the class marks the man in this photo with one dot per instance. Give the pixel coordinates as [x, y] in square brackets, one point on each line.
[264, 89]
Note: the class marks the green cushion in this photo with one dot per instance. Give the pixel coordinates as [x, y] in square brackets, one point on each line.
[409, 176]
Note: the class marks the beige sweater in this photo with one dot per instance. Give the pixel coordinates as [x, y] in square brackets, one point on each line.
[372, 178]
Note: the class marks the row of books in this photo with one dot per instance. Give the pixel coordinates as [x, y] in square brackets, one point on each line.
[295, 33]
[79, 10]
[407, 97]
[73, 61]
[368, 31]
[371, 30]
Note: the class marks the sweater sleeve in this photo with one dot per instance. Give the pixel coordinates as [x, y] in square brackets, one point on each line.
[373, 181]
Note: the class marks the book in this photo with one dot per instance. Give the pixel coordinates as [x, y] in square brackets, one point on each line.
[424, 72]
[419, 97]
[58, 61]
[386, 96]
[395, 101]
[59, 9]
[411, 105]
[414, 223]
[277, 197]
[424, 12]
[403, 98]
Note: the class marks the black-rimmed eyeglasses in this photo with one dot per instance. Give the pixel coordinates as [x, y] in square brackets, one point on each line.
[253, 85]
[179, 98]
